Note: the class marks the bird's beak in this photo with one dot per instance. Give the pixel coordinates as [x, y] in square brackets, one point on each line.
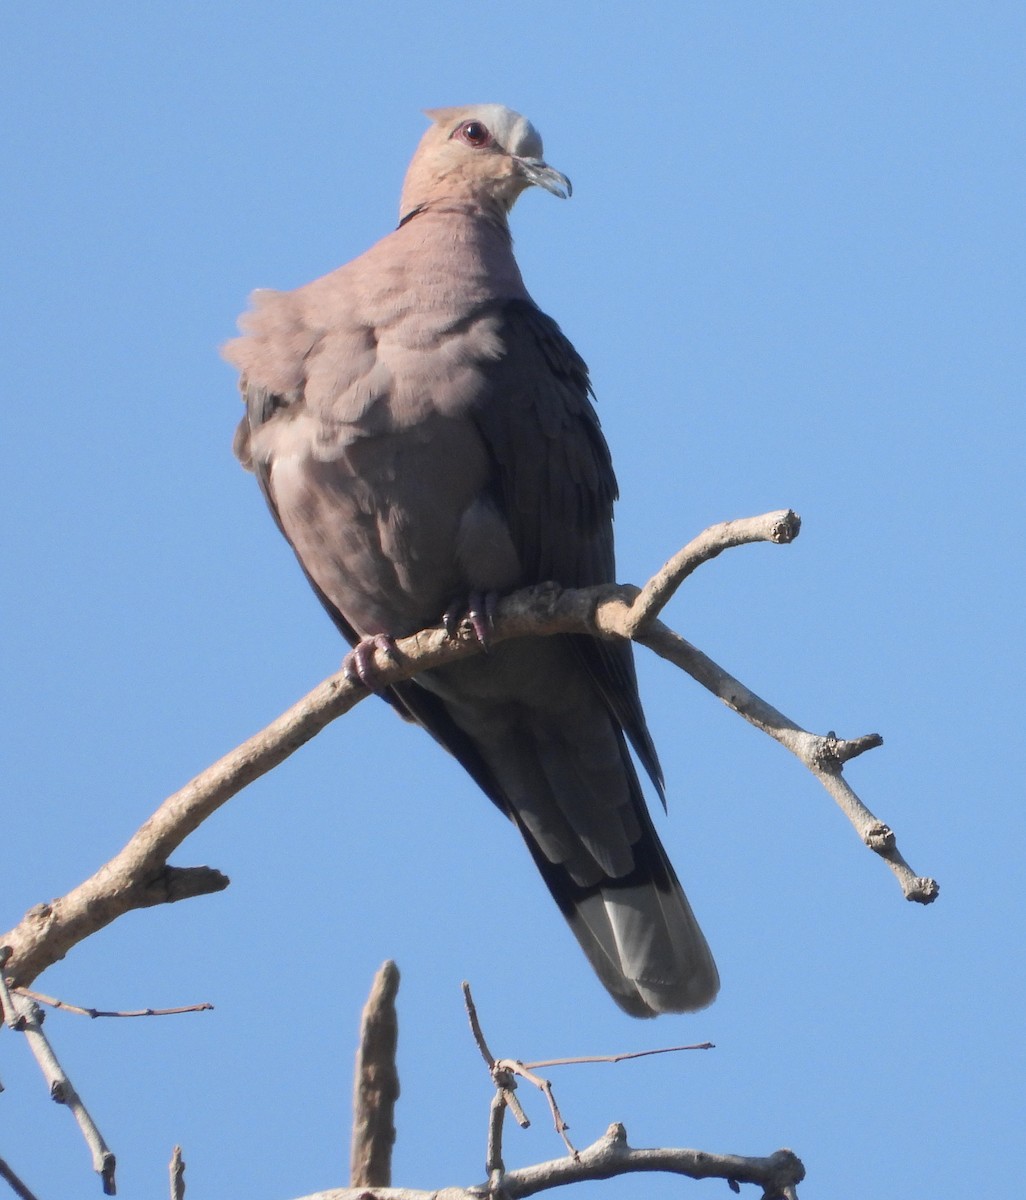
[540, 173]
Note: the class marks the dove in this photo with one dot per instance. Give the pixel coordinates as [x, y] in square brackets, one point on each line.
[425, 438]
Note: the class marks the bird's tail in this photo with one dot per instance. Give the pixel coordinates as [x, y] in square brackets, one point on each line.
[540, 740]
[638, 932]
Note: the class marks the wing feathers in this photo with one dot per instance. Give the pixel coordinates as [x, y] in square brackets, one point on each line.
[536, 724]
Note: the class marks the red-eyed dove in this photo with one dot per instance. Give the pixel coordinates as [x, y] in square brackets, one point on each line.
[424, 435]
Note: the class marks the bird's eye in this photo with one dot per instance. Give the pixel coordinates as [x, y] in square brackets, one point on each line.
[474, 133]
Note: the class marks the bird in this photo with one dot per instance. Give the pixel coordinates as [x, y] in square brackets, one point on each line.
[426, 440]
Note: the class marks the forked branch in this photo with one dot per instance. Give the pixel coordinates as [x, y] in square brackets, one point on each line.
[140, 875]
[25, 1016]
[778, 1174]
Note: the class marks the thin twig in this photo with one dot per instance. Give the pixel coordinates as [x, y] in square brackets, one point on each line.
[780, 527]
[53, 1002]
[502, 1077]
[11, 1018]
[15, 1184]
[493, 1154]
[505, 1098]
[475, 1026]
[62, 1090]
[503, 1072]
[515, 1067]
[823, 754]
[376, 1084]
[613, 1058]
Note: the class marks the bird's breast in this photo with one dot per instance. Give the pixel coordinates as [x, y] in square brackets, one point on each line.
[395, 526]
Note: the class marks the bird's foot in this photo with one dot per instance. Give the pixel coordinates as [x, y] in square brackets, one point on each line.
[478, 610]
[358, 665]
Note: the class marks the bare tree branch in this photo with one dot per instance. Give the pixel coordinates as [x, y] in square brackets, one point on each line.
[778, 1174]
[780, 527]
[376, 1084]
[506, 1071]
[494, 1165]
[613, 1058]
[15, 1184]
[513, 1066]
[28, 1018]
[475, 1026]
[505, 1098]
[93, 1013]
[139, 875]
[176, 1174]
[823, 754]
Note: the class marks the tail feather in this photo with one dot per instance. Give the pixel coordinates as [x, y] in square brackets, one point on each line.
[638, 932]
[544, 744]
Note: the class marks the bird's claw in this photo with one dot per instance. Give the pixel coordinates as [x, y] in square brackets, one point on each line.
[358, 666]
[479, 612]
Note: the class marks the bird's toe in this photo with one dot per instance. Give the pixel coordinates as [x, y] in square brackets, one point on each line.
[478, 610]
[359, 665]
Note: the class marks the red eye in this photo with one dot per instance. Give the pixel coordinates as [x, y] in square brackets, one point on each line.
[474, 133]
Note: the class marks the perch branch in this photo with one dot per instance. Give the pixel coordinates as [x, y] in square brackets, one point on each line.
[780, 527]
[376, 1084]
[139, 875]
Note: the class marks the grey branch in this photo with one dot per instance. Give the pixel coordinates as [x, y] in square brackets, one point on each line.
[15, 1184]
[778, 1174]
[139, 875]
[780, 527]
[28, 1017]
[95, 1013]
[506, 1071]
[176, 1174]
[823, 754]
[376, 1084]
[504, 1098]
[614, 1058]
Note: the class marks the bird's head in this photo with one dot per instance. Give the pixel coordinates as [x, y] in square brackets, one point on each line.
[482, 153]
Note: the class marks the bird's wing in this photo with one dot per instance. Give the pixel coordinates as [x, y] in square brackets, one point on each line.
[555, 486]
[552, 481]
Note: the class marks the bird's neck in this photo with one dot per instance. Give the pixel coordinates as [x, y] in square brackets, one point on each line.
[464, 245]
[458, 210]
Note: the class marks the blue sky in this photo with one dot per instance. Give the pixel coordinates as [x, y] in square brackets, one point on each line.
[794, 263]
